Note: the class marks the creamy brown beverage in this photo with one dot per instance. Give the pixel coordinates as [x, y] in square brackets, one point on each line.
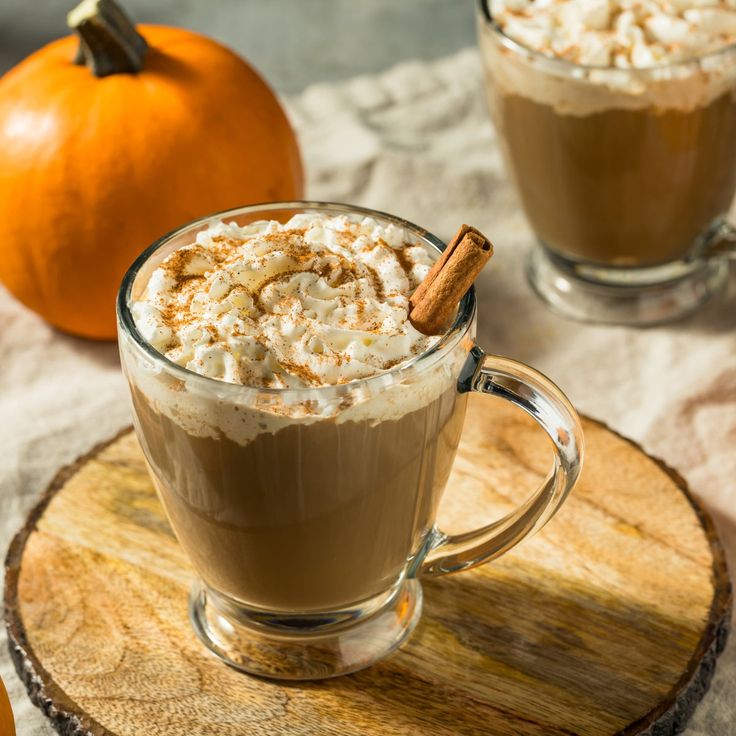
[339, 535]
[299, 375]
[293, 500]
[625, 155]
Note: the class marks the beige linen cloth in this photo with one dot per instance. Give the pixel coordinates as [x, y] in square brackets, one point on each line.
[416, 141]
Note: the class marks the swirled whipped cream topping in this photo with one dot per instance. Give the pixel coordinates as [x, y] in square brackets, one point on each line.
[316, 301]
[619, 33]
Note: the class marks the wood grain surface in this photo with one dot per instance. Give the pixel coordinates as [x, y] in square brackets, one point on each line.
[608, 621]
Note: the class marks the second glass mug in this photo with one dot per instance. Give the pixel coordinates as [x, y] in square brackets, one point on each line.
[626, 176]
[309, 514]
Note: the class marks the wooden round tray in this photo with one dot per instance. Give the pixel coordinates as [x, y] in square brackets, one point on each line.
[608, 621]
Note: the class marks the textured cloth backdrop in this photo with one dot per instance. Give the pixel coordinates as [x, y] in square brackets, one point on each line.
[416, 141]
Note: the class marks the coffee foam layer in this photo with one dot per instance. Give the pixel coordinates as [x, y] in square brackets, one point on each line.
[624, 54]
[216, 409]
[313, 302]
[389, 267]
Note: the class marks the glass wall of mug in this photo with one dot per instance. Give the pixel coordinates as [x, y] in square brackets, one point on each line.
[304, 536]
[625, 175]
[308, 513]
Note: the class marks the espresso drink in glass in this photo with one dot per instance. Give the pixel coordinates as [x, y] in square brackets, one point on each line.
[300, 432]
[618, 123]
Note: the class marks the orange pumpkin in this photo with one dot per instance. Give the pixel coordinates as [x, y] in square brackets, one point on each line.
[100, 158]
[7, 724]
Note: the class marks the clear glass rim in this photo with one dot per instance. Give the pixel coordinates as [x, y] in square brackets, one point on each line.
[421, 362]
[570, 67]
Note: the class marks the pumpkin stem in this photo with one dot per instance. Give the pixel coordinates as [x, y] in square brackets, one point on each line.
[108, 40]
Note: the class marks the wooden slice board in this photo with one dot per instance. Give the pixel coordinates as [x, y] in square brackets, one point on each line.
[609, 621]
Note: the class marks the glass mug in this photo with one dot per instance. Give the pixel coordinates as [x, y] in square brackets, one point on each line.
[308, 514]
[625, 176]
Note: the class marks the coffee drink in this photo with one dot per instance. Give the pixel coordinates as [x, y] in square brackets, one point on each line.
[289, 489]
[283, 524]
[618, 119]
[595, 203]
[300, 427]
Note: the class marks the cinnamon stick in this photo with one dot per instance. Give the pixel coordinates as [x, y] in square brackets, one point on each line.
[434, 303]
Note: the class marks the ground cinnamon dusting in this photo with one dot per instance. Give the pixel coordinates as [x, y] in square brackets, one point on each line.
[301, 371]
[377, 283]
[405, 262]
[275, 279]
[216, 286]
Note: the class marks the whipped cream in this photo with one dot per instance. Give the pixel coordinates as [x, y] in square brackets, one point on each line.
[619, 33]
[630, 54]
[316, 301]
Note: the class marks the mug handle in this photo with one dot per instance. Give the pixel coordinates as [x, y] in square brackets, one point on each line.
[720, 241]
[540, 398]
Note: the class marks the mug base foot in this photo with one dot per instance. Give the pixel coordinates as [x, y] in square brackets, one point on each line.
[309, 646]
[634, 297]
